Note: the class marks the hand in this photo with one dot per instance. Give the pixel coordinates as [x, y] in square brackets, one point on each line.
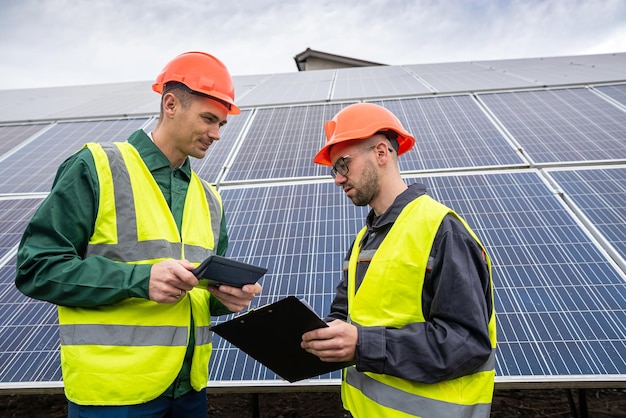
[170, 280]
[335, 343]
[234, 298]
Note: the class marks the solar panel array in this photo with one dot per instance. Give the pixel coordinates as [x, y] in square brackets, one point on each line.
[538, 172]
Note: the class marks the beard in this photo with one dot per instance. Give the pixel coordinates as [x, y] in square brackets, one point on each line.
[366, 187]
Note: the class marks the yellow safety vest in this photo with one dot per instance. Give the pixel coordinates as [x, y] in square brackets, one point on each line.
[130, 352]
[397, 302]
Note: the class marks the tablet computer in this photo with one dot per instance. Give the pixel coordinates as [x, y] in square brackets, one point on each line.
[216, 270]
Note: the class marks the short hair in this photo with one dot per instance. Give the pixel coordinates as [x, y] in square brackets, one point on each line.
[181, 91]
[185, 94]
[391, 136]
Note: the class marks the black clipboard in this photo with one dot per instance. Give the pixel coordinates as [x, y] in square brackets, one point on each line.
[216, 270]
[272, 334]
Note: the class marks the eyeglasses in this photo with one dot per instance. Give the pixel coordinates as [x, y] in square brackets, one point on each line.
[341, 165]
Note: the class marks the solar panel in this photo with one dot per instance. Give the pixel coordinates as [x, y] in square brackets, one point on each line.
[469, 77]
[560, 302]
[245, 83]
[617, 92]
[29, 336]
[281, 143]
[561, 125]
[134, 98]
[14, 216]
[300, 232]
[14, 135]
[551, 71]
[601, 194]
[451, 132]
[32, 168]
[310, 86]
[362, 82]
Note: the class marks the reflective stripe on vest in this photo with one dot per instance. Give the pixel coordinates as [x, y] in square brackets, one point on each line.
[374, 395]
[130, 352]
[128, 244]
[128, 335]
[401, 402]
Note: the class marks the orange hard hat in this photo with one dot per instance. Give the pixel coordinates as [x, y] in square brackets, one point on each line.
[361, 121]
[202, 73]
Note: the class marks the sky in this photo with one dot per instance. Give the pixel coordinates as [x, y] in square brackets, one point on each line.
[49, 43]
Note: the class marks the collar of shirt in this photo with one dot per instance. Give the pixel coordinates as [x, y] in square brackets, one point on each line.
[152, 156]
[391, 214]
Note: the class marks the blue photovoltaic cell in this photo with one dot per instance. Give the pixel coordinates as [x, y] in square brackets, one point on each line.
[561, 306]
[28, 328]
[282, 142]
[14, 216]
[450, 132]
[561, 125]
[33, 167]
[601, 195]
[212, 165]
[29, 336]
[616, 92]
[13, 135]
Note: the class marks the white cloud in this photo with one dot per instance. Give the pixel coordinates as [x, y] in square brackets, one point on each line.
[66, 42]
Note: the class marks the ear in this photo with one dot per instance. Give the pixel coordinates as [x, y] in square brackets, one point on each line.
[170, 104]
[382, 152]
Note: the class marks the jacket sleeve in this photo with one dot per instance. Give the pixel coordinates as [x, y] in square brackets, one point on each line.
[50, 259]
[454, 339]
[339, 306]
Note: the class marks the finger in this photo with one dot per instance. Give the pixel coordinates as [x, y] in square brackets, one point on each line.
[186, 280]
[176, 294]
[253, 289]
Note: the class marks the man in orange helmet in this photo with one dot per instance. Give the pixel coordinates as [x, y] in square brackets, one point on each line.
[414, 309]
[113, 245]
